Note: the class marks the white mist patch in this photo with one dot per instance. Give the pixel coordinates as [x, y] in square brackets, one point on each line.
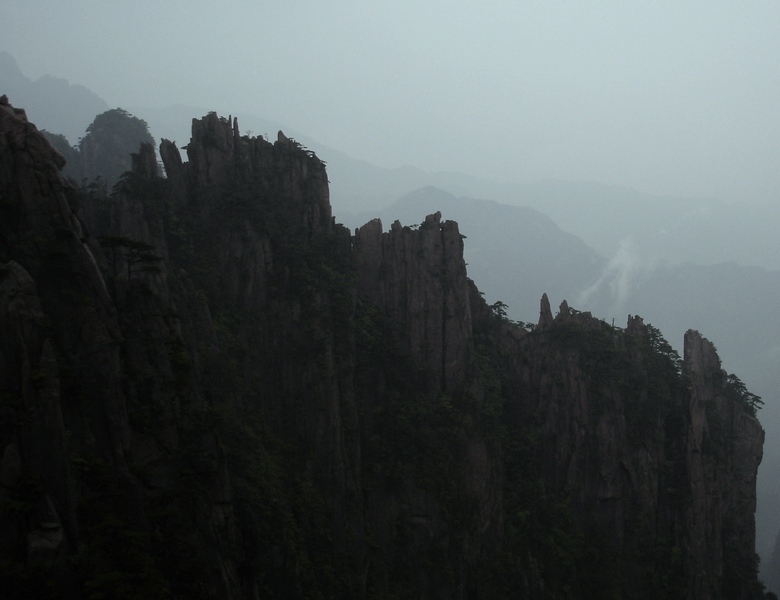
[618, 276]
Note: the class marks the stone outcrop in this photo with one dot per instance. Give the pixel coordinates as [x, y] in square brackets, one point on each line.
[219, 154]
[640, 458]
[545, 313]
[81, 361]
[210, 389]
[719, 538]
[31, 386]
[419, 279]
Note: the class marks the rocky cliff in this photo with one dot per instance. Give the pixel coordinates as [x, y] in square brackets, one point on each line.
[208, 389]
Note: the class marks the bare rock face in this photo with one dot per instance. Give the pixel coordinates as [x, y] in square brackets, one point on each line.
[66, 397]
[419, 278]
[219, 154]
[721, 530]
[226, 170]
[40, 232]
[30, 390]
[644, 457]
[545, 313]
[175, 172]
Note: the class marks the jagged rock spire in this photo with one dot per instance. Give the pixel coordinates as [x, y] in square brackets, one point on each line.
[545, 313]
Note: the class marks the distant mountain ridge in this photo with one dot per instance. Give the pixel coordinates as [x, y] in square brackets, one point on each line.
[606, 217]
[52, 103]
[515, 253]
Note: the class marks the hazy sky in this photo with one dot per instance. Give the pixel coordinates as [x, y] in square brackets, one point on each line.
[677, 97]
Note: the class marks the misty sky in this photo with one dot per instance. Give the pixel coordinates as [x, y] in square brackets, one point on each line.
[675, 98]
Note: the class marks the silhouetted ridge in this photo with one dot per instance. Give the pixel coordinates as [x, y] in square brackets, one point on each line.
[209, 389]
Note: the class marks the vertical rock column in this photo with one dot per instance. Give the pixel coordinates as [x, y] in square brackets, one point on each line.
[419, 279]
[724, 448]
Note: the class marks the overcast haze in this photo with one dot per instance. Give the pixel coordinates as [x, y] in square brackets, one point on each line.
[664, 97]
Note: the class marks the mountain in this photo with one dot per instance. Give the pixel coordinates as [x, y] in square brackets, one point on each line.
[640, 236]
[514, 253]
[104, 153]
[736, 305]
[680, 262]
[53, 103]
[606, 217]
[211, 389]
[659, 228]
[174, 122]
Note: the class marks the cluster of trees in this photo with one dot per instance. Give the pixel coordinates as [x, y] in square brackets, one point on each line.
[104, 151]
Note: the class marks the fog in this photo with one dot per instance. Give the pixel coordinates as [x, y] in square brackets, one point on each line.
[665, 97]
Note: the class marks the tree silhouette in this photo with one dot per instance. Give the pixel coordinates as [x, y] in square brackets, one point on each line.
[737, 391]
[110, 140]
[138, 256]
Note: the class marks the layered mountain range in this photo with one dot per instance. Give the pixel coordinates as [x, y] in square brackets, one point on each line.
[210, 389]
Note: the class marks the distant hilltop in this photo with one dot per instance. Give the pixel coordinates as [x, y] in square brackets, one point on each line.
[57, 105]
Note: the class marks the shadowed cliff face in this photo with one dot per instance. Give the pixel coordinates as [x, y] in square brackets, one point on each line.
[724, 488]
[418, 278]
[210, 389]
[653, 449]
